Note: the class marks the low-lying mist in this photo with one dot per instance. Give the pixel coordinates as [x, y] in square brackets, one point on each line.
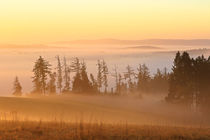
[145, 110]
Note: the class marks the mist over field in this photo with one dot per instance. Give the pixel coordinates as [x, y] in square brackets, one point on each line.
[104, 70]
[132, 115]
[147, 110]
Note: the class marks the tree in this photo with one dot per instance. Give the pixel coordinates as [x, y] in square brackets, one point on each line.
[93, 84]
[76, 85]
[129, 74]
[181, 80]
[59, 74]
[81, 82]
[41, 70]
[66, 76]
[75, 65]
[17, 87]
[51, 84]
[143, 78]
[85, 83]
[159, 83]
[105, 72]
[99, 75]
[201, 96]
[115, 75]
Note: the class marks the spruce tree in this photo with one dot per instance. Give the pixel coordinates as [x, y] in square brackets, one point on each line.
[51, 84]
[85, 83]
[17, 87]
[99, 75]
[41, 71]
[143, 78]
[59, 74]
[76, 67]
[93, 84]
[105, 73]
[181, 80]
[66, 76]
[129, 74]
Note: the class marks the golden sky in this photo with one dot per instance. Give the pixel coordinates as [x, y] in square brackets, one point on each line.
[41, 21]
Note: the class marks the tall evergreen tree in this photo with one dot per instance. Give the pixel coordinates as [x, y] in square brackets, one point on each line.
[143, 78]
[85, 83]
[41, 70]
[105, 73]
[66, 76]
[181, 80]
[93, 84]
[76, 85]
[59, 74]
[99, 75]
[52, 84]
[17, 87]
[129, 74]
[75, 65]
[115, 75]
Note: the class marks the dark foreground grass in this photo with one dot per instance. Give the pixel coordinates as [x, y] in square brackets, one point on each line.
[15, 130]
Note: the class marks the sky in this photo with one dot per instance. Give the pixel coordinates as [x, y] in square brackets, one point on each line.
[44, 21]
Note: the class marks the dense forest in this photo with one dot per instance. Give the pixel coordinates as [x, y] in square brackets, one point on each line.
[187, 83]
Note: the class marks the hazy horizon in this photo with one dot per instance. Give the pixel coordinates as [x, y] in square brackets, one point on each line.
[47, 21]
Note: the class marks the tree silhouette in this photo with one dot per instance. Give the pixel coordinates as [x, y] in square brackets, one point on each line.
[76, 87]
[17, 87]
[181, 80]
[105, 72]
[143, 78]
[51, 84]
[94, 84]
[59, 74]
[41, 70]
[99, 75]
[85, 83]
[129, 74]
[66, 76]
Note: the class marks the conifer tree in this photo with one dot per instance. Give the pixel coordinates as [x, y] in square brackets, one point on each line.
[129, 74]
[51, 84]
[66, 76]
[77, 82]
[115, 75]
[181, 80]
[76, 85]
[41, 70]
[99, 75]
[93, 84]
[143, 78]
[17, 87]
[75, 65]
[105, 72]
[85, 83]
[59, 74]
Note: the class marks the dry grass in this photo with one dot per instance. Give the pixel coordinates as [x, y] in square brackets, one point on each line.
[102, 119]
[16, 130]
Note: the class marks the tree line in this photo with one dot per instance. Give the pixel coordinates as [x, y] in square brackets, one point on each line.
[74, 78]
[187, 83]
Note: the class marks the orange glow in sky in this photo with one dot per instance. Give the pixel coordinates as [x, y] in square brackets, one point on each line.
[41, 21]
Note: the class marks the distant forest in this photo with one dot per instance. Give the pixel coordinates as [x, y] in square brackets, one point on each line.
[188, 83]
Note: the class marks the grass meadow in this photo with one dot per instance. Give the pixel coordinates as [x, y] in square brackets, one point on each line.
[96, 118]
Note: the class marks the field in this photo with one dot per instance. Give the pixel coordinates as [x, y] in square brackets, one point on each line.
[98, 117]
[99, 131]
